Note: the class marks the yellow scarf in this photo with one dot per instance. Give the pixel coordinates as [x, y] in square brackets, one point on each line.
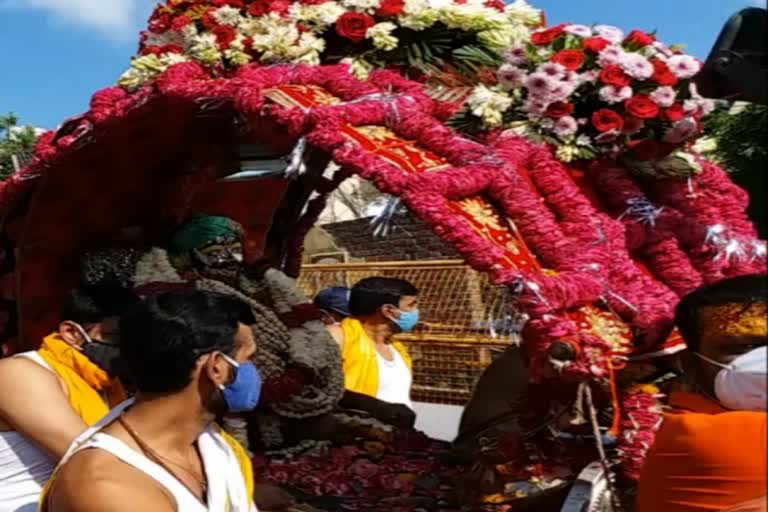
[361, 368]
[242, 459]
[83, 379]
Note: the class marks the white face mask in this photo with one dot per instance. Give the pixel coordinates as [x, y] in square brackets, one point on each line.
[741, 385]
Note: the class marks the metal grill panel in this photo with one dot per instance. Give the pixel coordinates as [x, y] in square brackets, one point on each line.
[466, 320]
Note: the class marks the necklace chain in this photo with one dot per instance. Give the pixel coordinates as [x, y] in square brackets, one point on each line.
[159, 459]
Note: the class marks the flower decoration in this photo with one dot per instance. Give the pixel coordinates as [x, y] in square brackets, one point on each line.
[420, 34]
[591, 91]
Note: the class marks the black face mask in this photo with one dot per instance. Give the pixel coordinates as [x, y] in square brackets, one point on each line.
[105, 355]
[102, 353]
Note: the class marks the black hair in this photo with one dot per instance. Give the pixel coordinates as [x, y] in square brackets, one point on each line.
[162, 338]
[371, 293]
[745, 290]
[93, 303]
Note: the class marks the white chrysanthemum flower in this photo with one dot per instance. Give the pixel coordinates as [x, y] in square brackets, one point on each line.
[421, 20]
[414, 6]
[489, 105]
[520, 11]
[227, 15]
[321, 15]
[361, 5]
[149, 64]
[188, 33]
[249, 26]
[169, 59]
[205, 49]
[583, 140]
[381, 35]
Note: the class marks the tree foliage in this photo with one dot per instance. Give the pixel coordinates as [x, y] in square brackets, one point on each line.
[740, 133]
[15, 141]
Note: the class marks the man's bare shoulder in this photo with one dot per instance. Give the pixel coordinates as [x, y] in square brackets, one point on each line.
[95, 480]
[14, 368]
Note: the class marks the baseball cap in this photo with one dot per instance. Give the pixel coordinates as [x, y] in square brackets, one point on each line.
[335, 298]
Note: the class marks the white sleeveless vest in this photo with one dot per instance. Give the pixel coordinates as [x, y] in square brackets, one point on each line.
[24, 466]
[226, 488]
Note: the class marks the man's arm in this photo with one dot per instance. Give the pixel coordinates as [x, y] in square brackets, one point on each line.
[32, 403]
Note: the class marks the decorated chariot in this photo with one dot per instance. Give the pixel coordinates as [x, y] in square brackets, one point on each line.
[557, 160]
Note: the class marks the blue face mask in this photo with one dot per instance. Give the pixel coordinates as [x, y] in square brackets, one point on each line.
[407, 320]
[242, 394]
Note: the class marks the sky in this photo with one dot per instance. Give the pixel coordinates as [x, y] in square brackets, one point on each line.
[57, 53]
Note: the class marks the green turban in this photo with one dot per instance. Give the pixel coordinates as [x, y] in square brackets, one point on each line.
[203, 230]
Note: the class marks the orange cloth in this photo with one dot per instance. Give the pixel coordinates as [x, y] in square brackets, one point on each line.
[83, 379]
[704, 458]
[361, 368]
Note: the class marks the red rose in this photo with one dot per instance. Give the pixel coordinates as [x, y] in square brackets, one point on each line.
[673, 113]
[172, 48]
[614, 75]
[559, 109]
[224, 36]
[639, 38]
[569, 59]
[179, 22]
[258, 8]
[661, 73]
[354, 25]
[546, 37]
[495, 4]
[151, 50]
[208, 20]
[642, 107]
[281, 7]
[595, 44]
[390, 8]
[160, 22]
[605, 120]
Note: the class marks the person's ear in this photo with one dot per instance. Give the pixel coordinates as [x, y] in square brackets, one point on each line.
[70, 333]
[216, 369]
[389, 311]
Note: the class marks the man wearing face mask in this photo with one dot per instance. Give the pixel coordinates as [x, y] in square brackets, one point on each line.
[188, 354]
[377, 369]
[710, 451]
[50, 396]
